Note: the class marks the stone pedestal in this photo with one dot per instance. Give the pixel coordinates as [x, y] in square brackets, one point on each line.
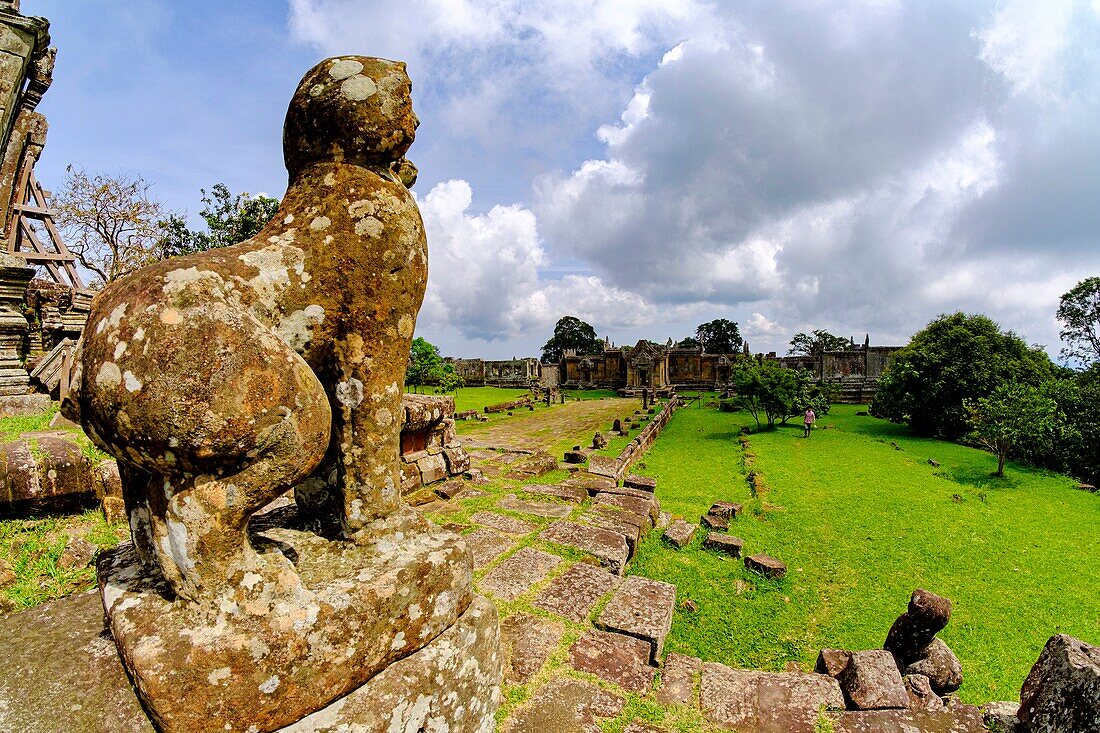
[14, 277]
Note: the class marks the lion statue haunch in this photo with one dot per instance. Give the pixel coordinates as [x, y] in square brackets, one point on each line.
[222, 379]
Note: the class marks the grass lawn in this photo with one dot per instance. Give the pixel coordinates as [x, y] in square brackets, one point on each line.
[477, 398]
[860, 524]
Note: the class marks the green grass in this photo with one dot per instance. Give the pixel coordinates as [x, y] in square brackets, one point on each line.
[12, 427]
[860, 525]
[477, 398]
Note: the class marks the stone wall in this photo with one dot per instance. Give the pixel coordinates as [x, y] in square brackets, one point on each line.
[618, 467]
[430, 450]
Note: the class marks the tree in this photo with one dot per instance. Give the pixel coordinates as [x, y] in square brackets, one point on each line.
[229, 219]
[688, 343]
[765, 388]
[450, 380]
[955, 358]
[719, 337]
[1013, 414]
[1079, 312]
[571, 332]
[817, 342]
[425, 365]
[110, 223]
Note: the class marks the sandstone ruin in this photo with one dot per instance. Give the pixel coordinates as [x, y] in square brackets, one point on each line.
[222, 380]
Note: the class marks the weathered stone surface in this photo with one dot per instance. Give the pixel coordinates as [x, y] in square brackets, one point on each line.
[591, 484]
[616, 658]
[486, 545]
[727, 509]
[871, 681]
[408, 696]
[728, 544]
[538, 508]
[533, 465]
[766, 565]
[643, 507]
[921, 694]
[663, 520]
[926, 616]
[78, 553]
[606, 466]
[714, 521]
[678, 679]
[450, 489]
[410, 478]
[564, 705]
[574, 456]
[458, 460]
[502, 523]
[60, 673]
[23, 404]
[772, 702]
[641, 608]
[642, 483]
[44, 470]
[1000, 717]
[832, 661]
[959, 719]
[940, 665]
[513, 577]
[680, 533]
[605, 545]
[574, 593]
[558, 491]
[630, 526]
[1062, 691]
[432, 468]
[528, 642]
[420, 412]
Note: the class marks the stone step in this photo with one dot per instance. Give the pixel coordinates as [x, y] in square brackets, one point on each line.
[564, 705]
[574, 593]
[539, 508]
[486, 545]
[575, 494]
[527, 642]
[641, 608]
[515, 576]
[607, 546]
[508, 525]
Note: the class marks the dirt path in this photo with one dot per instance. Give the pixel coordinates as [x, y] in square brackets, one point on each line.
[545, 429]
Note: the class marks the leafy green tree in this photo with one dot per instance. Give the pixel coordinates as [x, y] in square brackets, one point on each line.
[450, 380]
[955, 358]
[1079, 312]
[229, 219]
[688, 343]
[719, 336]
[571, 332]
[817, 342]
[425, 364]
[766, 389]
[1013, 414]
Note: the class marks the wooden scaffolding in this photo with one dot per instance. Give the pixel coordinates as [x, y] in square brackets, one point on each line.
[43, 247]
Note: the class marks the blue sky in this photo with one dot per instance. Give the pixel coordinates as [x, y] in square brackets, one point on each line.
[649, 165]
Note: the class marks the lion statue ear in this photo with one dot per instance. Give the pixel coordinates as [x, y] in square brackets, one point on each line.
[405, 171]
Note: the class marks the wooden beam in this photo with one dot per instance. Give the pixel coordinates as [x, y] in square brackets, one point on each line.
[44, 257]
[35, 212]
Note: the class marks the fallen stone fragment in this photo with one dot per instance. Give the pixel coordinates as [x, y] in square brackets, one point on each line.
[564, 705]
[1062, 692]
[766, 565]
[513, 577]
[574, 593]
[1087, 487]
[832, 661]
[538, 508]
[641, 608]
[747, 699]
[926, 616]
[639, 726]
[643, 483]
[485, 546]
[1001, 717]
[714, 521]
[871, 681]
[678, 679]
[940, 665]
[558, 491]
[630, 526]
[605, 545]
[933, 462]
[508, 525]
[450, 489]
[960, 719]
[616, 658]
[727, 509]
[647, 508]
[731, 546]
[663, 520]
[680, 533]
[921, 694]
[574, 456]
[528, 642]
[591, 484]
[78, 554]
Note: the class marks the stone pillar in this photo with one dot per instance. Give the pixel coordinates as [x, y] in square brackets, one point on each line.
[14, 277]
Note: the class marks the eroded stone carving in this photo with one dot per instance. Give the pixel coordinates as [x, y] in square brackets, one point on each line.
[223, 379]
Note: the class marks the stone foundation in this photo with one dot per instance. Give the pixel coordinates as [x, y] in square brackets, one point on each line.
[430, 450]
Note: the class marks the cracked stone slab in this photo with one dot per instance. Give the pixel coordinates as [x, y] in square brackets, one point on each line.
[539, 508]
[642, 483]
[486, 545]
[590, 483]
[956, 719]
[564, 705]
[515, 576]
[679, 533]
[644, 507]
[678, 679]
[558, 491]
[574, 593]
[615, 658]
[528, 642]
[630, 526]
[747, 699]
[605, 545]
[643, 609]
[508, 525]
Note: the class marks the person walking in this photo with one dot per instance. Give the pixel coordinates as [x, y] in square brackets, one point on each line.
[808, 422]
